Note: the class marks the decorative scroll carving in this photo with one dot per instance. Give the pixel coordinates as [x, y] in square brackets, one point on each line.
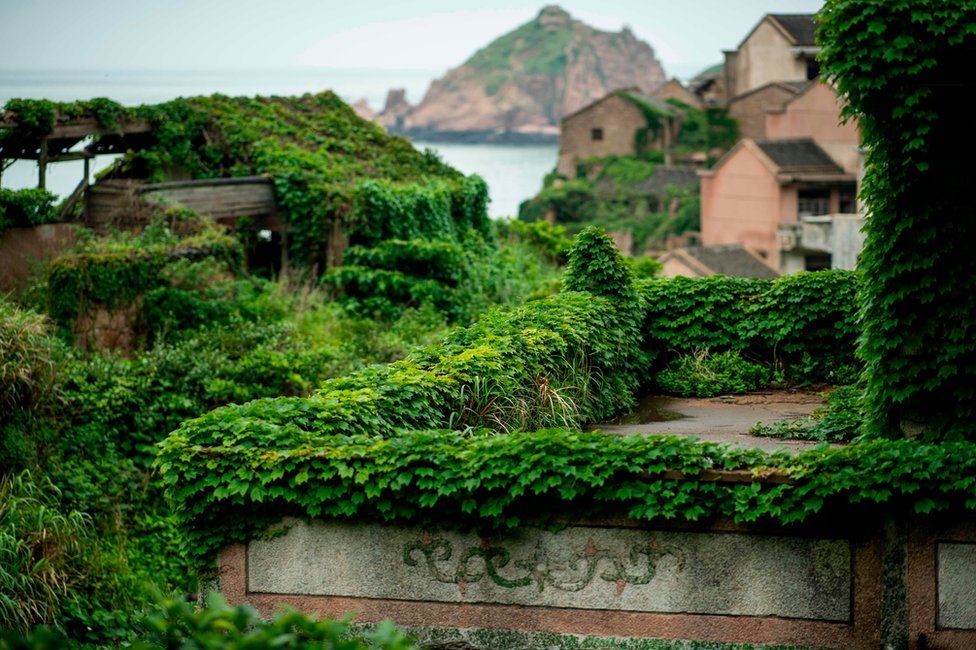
[495, 563]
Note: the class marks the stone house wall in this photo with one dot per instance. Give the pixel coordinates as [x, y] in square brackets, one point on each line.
[763, 57]
[617, 118]
[750, 109]
[674, 89]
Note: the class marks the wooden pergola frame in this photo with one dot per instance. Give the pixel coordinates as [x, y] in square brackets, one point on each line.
[22, 143]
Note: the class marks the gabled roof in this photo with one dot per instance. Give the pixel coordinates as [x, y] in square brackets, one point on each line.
[635, 96]
[795, 87]
[798, 29]
[802, 28]
[723, 259]
[799, 155]
[659, 180]
[645, 101]
[789, 160]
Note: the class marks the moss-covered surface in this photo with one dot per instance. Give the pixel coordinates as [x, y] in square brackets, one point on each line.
[432, 638]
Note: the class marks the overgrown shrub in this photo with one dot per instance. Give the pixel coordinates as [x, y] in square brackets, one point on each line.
[27, 360]
[435, 209]
[705, 375]
[178, 624]
[52, 569]
[805, 324]
[28, 207]
[549, 240]
[839, 420]
[112, 272]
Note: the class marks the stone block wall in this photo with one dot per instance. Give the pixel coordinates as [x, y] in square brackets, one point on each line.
[852, 581]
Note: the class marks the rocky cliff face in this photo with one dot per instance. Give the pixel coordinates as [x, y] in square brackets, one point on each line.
[524, 82]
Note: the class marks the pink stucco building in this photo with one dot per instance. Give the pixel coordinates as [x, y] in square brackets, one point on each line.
[815, 113]
[761, 185]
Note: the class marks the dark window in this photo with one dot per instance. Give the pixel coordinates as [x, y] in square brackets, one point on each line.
[813, 68]
[848, 203]
[811, 203]
[816, 262]
[596, 134]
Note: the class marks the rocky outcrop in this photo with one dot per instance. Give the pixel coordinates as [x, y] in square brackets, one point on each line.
[524, 82]
[395, 109]
[365, 111]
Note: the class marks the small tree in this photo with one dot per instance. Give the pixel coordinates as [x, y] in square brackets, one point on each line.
[595, 265]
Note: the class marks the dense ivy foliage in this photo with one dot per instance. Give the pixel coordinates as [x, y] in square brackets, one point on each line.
[559, 359]
[839, 420]
[38, 116]
[904, 69]
[30, 207]
[436, 209]
[113, 272]
[608, 192]
[805, 324]
[328, 164]
[217, 626]
[487, 480]
[704, 374]
[397, 274]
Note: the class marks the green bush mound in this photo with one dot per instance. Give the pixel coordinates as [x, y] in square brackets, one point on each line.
[804, 325]
[562, 360]
[449, 209]
[30, 207]
[839, 420]
[113, 272]
[217, 626]
[394, 275]
[705, 375]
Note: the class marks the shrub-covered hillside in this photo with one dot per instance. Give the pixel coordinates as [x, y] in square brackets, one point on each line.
[328, 164]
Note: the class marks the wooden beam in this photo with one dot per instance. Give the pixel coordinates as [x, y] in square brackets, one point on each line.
[84, 127]
[78, 192]
[42, 164]
[72, 155]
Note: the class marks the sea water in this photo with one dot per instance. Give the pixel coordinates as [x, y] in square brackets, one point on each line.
[513, 172]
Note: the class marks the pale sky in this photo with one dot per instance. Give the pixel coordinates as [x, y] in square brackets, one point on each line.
[433, 35]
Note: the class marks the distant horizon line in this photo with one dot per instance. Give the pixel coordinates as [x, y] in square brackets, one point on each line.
[297, 67]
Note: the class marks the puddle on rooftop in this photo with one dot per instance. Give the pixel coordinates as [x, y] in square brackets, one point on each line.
[653, 408]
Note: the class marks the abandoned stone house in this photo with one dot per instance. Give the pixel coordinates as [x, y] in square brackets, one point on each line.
[674, 89]
[623, 123]
[749, 109]
[781, 47]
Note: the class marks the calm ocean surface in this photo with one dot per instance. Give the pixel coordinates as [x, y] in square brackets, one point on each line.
[513, 172]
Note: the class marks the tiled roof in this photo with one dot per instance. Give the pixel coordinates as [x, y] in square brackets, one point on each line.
[683, 176]
[799, 155]
[664, 175]
[801, 27]
[643, 101]
[729, 259]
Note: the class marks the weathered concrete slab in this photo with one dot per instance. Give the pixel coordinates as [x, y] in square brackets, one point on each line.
[718, 419]
[957, 586]
[577, 567]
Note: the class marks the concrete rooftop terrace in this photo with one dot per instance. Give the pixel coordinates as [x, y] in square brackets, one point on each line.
[728, 418]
